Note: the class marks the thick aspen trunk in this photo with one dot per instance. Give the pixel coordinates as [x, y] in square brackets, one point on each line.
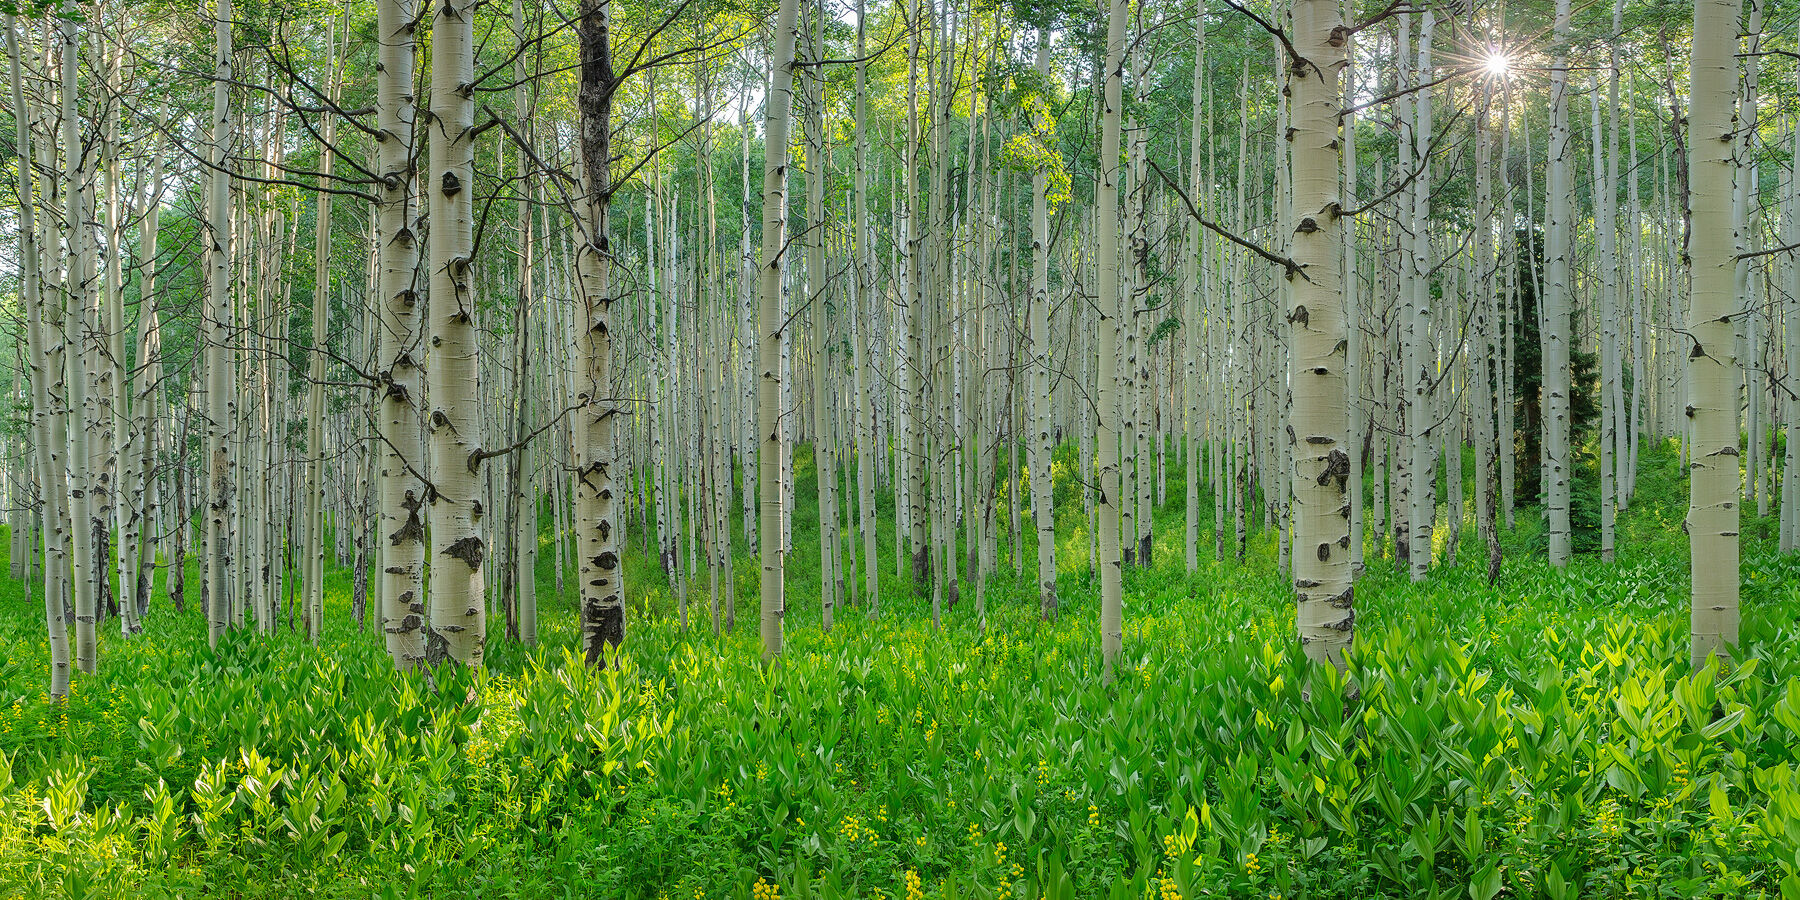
[401, 476]
[1712, 366]
[598, 529]
[1323, 579]
[458, 625]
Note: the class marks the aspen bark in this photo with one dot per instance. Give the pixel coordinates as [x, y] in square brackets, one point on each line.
[49, 424]
[1043, 513]
[1317, 333]
[313, 558]
[88, 529]
[1106, 206]
[771, 329]
[458, 626]
[1712, 366]
[1557, 302]
[863, 243]
[401, 475]
[601, 581]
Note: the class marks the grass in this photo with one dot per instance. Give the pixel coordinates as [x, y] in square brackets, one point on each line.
[1539, 738]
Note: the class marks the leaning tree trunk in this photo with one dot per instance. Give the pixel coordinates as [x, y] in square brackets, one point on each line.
[458, 626]
[1712, 367]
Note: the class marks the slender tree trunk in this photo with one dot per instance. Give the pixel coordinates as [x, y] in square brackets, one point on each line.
[863, 242]
[1557, 302]
[771, 328]
[313, 604]
[49, 422]
[1043, 512]
[1106, 207]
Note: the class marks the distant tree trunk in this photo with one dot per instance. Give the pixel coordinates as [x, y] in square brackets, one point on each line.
[148, 385]
[1712, 367]
[313, 576]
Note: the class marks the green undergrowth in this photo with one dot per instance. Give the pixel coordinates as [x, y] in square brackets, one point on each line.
[1544, 737]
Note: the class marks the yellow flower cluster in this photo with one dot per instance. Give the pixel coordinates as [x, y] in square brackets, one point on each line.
[914, 889]
[1608, 820]
[853, 830]
[1251, 865]
[1093, 816]
[1167, 889]
[765, 890]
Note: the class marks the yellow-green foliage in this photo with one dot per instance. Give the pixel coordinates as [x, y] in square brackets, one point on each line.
[1544, 738]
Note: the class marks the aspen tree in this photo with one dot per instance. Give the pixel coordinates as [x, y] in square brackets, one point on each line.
[313, 578]
[824, 461]
[1712, 367]
[1492, 420]
[149, 388]
[862, 241]
[1043, 513]
[1421, 367]
[1556, 305]
[458, 626]
[117, 510]
[601, 581]
[1194, 314]
[771, 330]
[1790, 484]
[401, 478]
[1317, 334]
[1605, 249]
[911, 453]
[49, 424]
[1106, 205]
[1353, 337]
[88, 530]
